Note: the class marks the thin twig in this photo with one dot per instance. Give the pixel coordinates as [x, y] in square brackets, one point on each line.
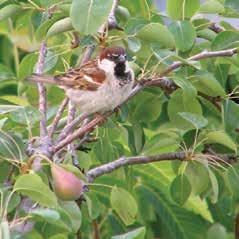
[111, 23]
[42, 90]
[216, 28]
[200, 56]
[214, 100]
[96, 229]
[69, 127]
[77, 134]
[87, 54]
[59, 113]
[71, 112]
[70, 118]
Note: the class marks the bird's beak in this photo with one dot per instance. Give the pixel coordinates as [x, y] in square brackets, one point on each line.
[121, 58]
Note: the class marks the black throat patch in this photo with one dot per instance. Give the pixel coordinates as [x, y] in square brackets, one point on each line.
[120, 69]
[123, 77]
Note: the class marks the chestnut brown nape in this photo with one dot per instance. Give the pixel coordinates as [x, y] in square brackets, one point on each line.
[116, 50]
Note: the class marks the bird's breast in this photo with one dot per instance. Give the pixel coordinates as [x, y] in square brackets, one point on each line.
[108, 96]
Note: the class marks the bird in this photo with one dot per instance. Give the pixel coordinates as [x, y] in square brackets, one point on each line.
[99, 85]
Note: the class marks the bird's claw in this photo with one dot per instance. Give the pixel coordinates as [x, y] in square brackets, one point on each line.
[102, 118]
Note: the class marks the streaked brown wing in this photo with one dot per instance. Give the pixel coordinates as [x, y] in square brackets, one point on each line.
[87, 77]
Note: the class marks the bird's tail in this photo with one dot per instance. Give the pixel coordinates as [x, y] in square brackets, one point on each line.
[42, 79]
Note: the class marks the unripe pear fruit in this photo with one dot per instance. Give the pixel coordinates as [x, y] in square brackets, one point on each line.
[66, 185]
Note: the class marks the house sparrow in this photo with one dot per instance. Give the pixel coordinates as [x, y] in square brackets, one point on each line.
[99, 85]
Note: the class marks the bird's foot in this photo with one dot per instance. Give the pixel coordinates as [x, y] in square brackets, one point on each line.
[83, 149]
[101, 117]
[117, 110]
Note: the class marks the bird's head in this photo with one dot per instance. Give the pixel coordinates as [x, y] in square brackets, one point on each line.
[115, 54]
[113, 61]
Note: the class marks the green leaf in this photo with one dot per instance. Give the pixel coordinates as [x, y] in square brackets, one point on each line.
[138, 233]
[233, 4]
[161, 143]
[148, 106]
[189, 91]
[18, 100]
[135, 138]
[42, 30]
[134, 25]
[207, 34]
[32, 186]
[217, 231]
[197, 173]
[181, 103]
[164, 56]
[62, 25]
[92, 205]
[158, 33]
[3, 121]
[9, 11]
[232, 175]
[225, 40]
[14, 202]
[184, 34]
[220, 137]
[180, 189]
[74, 213]
[93, 13]
[25, 115]
[221, 73]
[47, 3]
[11, 146]
[6, 73]
[57, 218]
[206, 83]
[48, 215]
[196, 120]
[26, 66]
[177, 220]
[134, 44]
[212, 6]
[4, 109]
[215, 186]
[50, 61]
[231, 117]
[104, 150]
[59, 236]
[122, 12]
[124, 204]
[182, 9]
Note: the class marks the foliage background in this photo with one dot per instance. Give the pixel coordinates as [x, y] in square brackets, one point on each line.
[193, 198]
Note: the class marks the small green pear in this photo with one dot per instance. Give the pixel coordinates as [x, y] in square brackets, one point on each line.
[66, 185]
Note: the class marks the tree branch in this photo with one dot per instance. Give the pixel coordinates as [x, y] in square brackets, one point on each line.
[182, 156]
[109, 167]
[42, 90]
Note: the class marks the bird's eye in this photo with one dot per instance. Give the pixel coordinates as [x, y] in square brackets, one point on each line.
[114, 57]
